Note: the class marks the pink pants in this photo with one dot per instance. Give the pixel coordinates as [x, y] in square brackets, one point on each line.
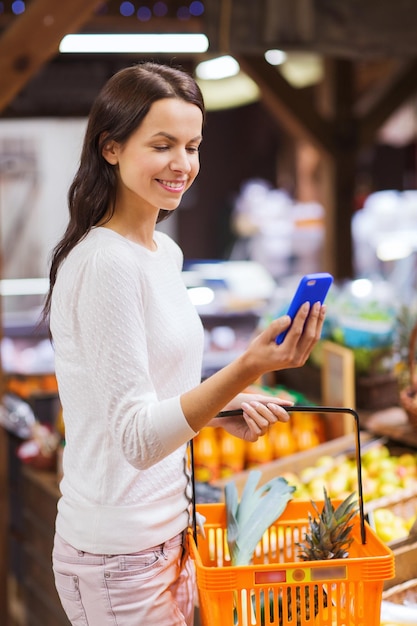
[155, 586]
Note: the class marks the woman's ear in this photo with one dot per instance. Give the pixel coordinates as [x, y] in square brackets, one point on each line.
[110, 152]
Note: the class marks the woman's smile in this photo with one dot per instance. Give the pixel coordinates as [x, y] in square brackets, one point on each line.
[177, 186]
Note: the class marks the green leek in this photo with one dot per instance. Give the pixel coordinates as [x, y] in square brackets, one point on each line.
[258, 509]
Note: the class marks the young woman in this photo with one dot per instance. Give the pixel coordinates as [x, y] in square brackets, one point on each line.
[128, 346]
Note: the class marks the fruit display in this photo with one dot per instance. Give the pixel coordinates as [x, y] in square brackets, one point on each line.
[390, 526]
[389, 479]
[26, 386]
[217, 454]
[385, 478]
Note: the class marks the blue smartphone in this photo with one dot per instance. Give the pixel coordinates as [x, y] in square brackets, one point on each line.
[312, 288]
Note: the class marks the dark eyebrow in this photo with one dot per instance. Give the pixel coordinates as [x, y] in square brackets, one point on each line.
[172, 138]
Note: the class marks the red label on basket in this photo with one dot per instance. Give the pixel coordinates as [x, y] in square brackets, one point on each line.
[270, 576]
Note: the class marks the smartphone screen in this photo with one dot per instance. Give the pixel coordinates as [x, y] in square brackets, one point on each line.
[312, 288]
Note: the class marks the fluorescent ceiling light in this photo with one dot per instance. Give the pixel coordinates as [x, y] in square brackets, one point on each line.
[275, 57]
[302, 69]
[229, 93]
[24, 286]
[214, 69]
[122, 43]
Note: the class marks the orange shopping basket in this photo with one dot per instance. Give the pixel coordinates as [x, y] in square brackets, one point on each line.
[279, 589]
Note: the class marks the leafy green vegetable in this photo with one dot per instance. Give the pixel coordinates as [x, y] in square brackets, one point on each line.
[258, 509]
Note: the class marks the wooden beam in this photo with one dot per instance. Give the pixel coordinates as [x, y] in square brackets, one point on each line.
[33, 38]
[335, 99]
[288, 104]
[329, 124]
[376, 106]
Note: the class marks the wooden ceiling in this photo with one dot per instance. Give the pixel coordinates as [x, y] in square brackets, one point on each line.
[29, 43]
[32, 39]
[378, 35]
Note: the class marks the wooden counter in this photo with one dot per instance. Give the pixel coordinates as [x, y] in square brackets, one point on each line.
[39, 498]
[28, 500]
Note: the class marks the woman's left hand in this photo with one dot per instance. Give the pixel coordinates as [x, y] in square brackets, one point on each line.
[260, 412]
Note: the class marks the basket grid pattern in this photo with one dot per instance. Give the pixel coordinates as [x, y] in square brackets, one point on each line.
[279, 589]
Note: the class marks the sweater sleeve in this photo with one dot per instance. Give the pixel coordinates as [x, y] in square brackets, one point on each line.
[108, 305]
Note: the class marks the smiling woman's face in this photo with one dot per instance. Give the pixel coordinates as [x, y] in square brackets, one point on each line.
[160, 160]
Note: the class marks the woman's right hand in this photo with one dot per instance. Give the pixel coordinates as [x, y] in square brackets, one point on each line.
[265, 355]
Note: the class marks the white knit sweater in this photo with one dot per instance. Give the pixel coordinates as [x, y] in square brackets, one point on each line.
[128, 342]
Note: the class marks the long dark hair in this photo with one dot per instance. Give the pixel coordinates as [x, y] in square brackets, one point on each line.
[119, 109]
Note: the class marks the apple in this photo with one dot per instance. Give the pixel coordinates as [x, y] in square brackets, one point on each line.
[384, 520]
[308, 473]
[408, 460]
[315, 489]
[387, 489]
[389, 476]
[375, 452]
[373, 467]
[290, 477]
[302, 492]
[408, 482]
[338, 483]
[325, 461]
[399, 529]
[370, 487]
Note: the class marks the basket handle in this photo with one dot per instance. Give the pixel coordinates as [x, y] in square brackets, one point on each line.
[307, 409]
[333, 409]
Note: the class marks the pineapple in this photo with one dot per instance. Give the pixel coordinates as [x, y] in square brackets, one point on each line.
[328, 537]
